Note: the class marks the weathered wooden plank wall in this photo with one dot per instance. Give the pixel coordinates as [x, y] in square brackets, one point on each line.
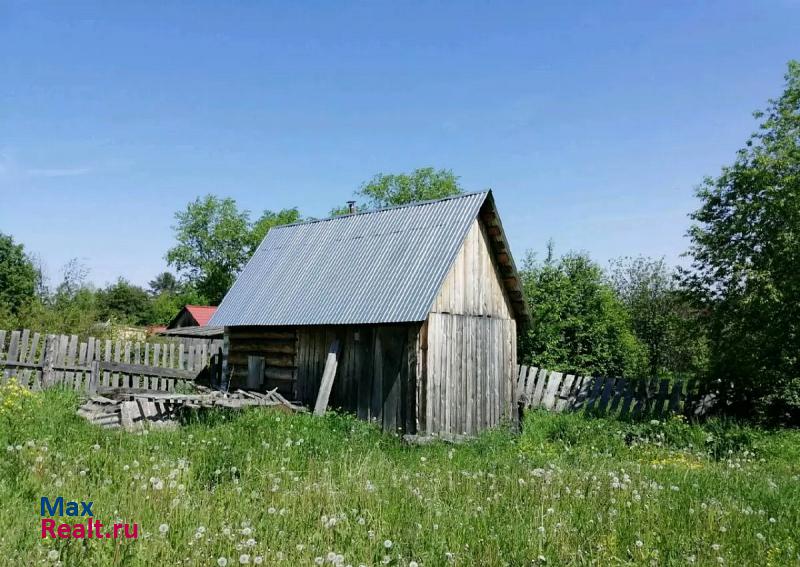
[471, 363]
[544, 389]
[37, 361]
[375, 375]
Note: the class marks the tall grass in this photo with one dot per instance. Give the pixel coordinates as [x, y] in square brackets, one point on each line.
[264, 486]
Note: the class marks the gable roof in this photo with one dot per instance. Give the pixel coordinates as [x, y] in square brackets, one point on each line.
[201, 313]
[381, 266]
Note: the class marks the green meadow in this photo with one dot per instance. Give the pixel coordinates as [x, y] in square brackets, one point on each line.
[266, 487]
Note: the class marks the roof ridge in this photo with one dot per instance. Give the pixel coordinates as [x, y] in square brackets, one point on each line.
[382, 209]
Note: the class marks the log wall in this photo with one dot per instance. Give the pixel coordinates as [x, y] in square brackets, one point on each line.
[277, 345]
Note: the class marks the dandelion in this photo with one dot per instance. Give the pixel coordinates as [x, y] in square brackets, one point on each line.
[639, 543]
[222, 561]
[244, 559]
[319, 560]
[258, 560]
[413, 564]
[772, 520]
[163, 528]
[387, 544]
[760, 536]
[53, 554]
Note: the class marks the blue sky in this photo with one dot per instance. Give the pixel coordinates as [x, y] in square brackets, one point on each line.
[592, 122]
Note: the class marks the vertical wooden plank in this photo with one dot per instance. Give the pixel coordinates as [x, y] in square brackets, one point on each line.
[33, 377]
[107, 358]
[564, 393]
[94, 374]
[2, 343]
[13, 351]
[48, 360]
[136, 381]
[617, 395]
[536, 400]
[606, 395]
[661, 400]
[675, 398]
[80, 380]
[152, 382]
[630, 389]
[530, 386]
[23, 346]
[469, 374]
[127, 379]
[61, 357]
[594, 394]
[549, 396]
[115, 377]
[522, 374]
[641, 398]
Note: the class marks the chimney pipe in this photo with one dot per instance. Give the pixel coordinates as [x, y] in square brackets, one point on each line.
[351, 206]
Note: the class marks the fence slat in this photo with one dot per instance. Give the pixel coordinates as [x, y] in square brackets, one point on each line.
[564, 393]
[675, 398]
[606, 395]
[617, 395]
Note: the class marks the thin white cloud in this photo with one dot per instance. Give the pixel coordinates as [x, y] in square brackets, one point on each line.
[59, 172]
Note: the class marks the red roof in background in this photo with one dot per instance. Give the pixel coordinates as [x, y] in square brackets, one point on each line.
[201, 313]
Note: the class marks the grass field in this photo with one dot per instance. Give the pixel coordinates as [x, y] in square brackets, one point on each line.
[276, 489]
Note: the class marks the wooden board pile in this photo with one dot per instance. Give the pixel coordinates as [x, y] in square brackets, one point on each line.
[135, 409]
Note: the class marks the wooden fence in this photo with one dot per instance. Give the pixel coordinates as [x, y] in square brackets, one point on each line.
[555, 391]
[39, 361]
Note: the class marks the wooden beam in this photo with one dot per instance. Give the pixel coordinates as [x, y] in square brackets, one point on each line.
[327, 379]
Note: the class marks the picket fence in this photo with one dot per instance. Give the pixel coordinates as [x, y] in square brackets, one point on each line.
[538, 388]
[39, 361]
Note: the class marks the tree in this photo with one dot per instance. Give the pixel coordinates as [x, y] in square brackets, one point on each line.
[421, 184]
[213, 244]
[578, 324]
[269, 220]
[745, 272]
[215, 241]
[19, 278]
[125, 302]
[660, 317]
[164, 282]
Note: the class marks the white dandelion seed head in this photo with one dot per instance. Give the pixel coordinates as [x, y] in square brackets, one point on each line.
[222, 561]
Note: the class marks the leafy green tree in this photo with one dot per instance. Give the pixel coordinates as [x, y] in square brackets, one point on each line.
[165, 282]
[166, 305]
[423, 184]
[660, 317]
[746, 264]
[19, 278]
[125, 302]
[578, 324]
[269, 220]
[215, 240]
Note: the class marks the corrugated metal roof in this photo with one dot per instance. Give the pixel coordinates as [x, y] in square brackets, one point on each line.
[382, 266]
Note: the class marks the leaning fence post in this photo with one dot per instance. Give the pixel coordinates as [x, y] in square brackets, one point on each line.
[93, 377]
[47, 362]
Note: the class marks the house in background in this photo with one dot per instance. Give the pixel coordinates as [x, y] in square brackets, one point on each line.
[420, 304]
[192, 316]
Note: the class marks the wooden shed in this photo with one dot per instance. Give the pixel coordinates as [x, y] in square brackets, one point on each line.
[420, 304]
